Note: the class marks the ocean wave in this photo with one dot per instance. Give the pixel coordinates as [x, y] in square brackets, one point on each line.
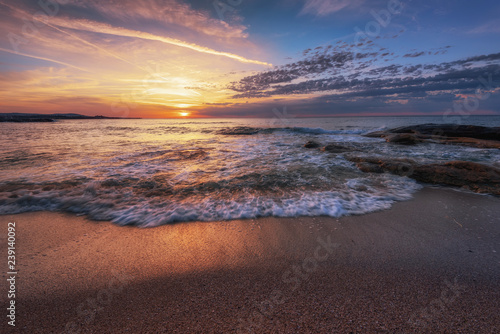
[144, 203]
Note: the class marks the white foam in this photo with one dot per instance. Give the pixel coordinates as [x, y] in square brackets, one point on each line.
[359, 196]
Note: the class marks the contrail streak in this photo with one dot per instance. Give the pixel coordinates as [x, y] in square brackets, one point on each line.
[43, 58]
[108, 29]
[73, 36]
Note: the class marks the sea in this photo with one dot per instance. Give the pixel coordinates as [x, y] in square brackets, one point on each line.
[149, 172]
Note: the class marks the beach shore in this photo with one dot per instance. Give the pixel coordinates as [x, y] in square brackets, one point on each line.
[427, 265]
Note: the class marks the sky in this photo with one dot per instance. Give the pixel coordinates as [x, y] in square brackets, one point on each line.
[242, 58]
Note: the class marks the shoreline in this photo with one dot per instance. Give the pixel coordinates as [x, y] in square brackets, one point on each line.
[429, 264]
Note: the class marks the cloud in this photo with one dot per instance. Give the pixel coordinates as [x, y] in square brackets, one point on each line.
[139, 62]
[491, 27]
[315, 65]
[166, 13]
[103, 28]
[346, 74]
[327, 7]
[415, 54]
[43, 58]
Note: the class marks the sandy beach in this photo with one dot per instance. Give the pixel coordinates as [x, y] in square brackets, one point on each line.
[428, 265]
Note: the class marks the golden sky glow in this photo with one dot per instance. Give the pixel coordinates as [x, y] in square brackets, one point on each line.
[161, 58]
[73, 64]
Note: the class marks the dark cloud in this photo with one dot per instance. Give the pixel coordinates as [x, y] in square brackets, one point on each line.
[318, 63]
[414, 55]
[453, 80]
[482, 58]
[354, 75]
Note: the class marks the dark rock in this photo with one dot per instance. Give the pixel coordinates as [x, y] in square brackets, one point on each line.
[467, 135]
[479, 143]
[376, 134]
[471, 175]
[311, 144]
[403, 138]
[402, 167]
[334, 148]
[367, 167]
[452, 130]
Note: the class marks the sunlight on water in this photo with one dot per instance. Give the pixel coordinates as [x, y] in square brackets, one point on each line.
[151, 172]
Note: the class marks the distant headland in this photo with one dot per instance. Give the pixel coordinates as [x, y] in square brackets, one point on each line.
[23, 117]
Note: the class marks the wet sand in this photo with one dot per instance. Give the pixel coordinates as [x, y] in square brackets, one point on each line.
[428, 265]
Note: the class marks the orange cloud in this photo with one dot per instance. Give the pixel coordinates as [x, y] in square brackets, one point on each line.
[167, 12]
[108, 29]
[72, 64]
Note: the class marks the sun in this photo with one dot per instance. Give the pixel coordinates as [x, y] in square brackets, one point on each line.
[184, 114]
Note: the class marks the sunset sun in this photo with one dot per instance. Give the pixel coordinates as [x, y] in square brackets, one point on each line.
[184, 114]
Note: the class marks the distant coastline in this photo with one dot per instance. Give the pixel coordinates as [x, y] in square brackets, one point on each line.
[23, 117]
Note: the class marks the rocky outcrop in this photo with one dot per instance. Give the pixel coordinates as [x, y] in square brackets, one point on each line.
[330, 148]
[467, 135]
[452, 130]
[311, 144]
[403, 138]
[471, 175]
[476, 177]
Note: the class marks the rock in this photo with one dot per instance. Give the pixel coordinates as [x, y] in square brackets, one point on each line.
[479, 143]
[403, 138]
[311, 144]
[402, 167]
[367, 167]
[334, 148]
[467, 135]
[471, 175]
[452, 130]
[376, 134]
